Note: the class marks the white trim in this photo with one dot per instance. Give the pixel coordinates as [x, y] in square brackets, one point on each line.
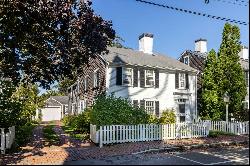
[187, 59]
[132, 76]
[95, 82]
[145, 71]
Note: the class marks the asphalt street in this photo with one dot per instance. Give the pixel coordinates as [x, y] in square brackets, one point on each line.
[211, 156]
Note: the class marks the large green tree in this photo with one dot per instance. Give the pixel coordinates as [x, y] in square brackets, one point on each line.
[210, 99]
[232, 78]
[42, 41]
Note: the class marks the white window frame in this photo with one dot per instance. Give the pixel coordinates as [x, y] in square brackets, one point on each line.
[247, 77]
[123, 76]
[184, 60]
[86, 83]
[149, 112]
[146, 78]
[181, 101]
[95, 80]
[184, 81]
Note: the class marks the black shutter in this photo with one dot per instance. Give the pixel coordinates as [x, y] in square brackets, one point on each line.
[135, 72]
[135, 103]
[119, 76]
[176, 80]
[156, 78]
[142, 78]
[157, 110]
[142, 104]
[187, 82]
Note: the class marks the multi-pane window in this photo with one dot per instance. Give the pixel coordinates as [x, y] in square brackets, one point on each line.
[247, 77]
[96, 78]
[86, 83]
[182, 80]
[186, 60]
[182, 118]
[149, 78]
[127, 76]
[150, 107]
[182, 108]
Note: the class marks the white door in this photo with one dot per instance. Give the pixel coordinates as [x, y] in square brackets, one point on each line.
[51, 113]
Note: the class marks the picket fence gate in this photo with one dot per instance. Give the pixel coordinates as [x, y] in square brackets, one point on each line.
[7, 139]
[146, 132]
[234, 127]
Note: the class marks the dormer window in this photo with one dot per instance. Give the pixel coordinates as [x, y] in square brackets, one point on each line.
[127, 76]
[186, 60]
[149, 78]
[182, 82]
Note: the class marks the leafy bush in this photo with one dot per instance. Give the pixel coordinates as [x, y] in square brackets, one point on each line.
[78, 123]
[108, 110]
[213, 133]
[23, 134]
[68, 120]
[167, 117]
[153, 120]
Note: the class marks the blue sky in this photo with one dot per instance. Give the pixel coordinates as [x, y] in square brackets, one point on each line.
[173, 31]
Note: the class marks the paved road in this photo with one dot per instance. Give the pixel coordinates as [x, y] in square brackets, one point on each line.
[223, 156]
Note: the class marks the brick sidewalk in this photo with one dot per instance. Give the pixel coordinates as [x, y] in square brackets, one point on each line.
[69, 152]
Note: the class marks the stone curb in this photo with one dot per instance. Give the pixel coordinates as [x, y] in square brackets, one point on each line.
[194, 146]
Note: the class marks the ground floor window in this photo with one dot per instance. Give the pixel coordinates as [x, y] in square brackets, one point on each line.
[182, 118]
[150, 107]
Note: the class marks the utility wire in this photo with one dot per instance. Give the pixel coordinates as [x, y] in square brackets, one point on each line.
[231, 2]
[195, 13]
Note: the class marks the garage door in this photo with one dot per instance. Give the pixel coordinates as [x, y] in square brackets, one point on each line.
[51, 113]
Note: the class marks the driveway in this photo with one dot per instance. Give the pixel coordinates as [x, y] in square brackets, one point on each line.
[224, 156]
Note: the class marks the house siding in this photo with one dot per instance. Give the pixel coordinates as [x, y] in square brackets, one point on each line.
[77, 94]
[166, 94]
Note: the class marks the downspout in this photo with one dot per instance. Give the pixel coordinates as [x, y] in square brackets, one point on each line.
[196, 111]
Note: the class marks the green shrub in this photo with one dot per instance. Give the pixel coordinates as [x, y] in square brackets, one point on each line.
[23, 134]
[153, 120]
[214, 134]
[167, 117]
[82, 122]
[108, 110]
[68, 120]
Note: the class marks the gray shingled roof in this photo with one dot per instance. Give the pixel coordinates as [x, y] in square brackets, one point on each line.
[129, 56]
[61, 99]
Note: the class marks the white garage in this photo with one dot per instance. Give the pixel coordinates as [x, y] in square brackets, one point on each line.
[54, 109]
[51, 113]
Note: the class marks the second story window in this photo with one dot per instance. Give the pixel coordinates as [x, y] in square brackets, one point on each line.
[86, 83]
[186, 60]
[149, 78]
[96, 78]
[182, 80]
[127, 76]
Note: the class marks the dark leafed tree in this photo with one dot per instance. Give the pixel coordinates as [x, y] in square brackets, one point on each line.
[42, 41]
[232, 78]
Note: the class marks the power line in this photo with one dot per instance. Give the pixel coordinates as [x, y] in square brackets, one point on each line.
[195, 13]
[241, 3]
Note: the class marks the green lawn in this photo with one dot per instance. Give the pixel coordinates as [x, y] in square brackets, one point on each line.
[50, 135]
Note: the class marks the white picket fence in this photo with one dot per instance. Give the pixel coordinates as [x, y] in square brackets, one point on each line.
[234, 127]
[146, 132]
[7, 139]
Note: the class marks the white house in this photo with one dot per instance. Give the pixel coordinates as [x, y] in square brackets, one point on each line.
[150, 80]
[54, 109]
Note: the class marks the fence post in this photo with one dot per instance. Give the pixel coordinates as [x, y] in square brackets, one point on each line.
[2, 141]
[100, 137]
